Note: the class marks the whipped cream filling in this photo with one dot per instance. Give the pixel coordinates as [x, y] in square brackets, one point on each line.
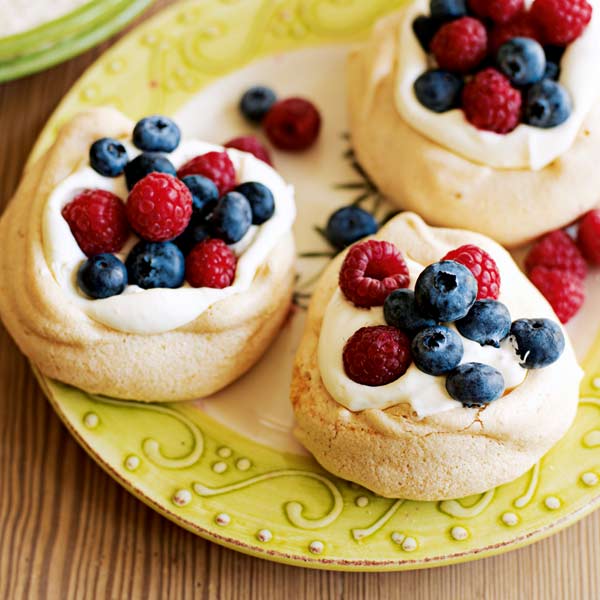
[160, 310]
[425, 393]
[526, 147]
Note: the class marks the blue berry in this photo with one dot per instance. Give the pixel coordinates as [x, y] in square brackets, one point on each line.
[445, 291]
[205, 194]
[102, 276]
[146, 163]
[437, 350]
[522, 60]
[197, 231]
[400, 311]
[438, 90]
[475, 384]
[487, 323]
[256, 103]
[547, 104]
[156, 265]
[538, 342]
[348, 225]
[425, 29]
[261, 200]
[108, 157]
[231, 218]
[552, 71]
[156, 134]
[448, 9]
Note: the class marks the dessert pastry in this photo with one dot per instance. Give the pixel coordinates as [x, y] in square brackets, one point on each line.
[168, 296]
[430, 367]
[466, 124]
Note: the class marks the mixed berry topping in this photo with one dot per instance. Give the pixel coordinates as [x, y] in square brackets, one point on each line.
[155, 265]
[561, 21]
[210, 264]
[102, 276]
[108, 157]
[487, 323]
[231, 218]
[539, 342]
[156, 134]
[475, 384]
[498, 11]
[461, 45]
[146, 163]
[482, 266]
[588, 236]
[216, 166]
[437, 350]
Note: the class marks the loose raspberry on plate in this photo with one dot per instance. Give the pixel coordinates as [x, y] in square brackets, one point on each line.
[460, 45]
[499, 11]
[210, 264]
[377, 355]
[98, 221]
[588, 236]
[521, 26]
[371, 271]
[491, 103]
[217, 166]
[563, 290]
[159, 207]
[293, 124]
[251, 144]
[557, 250]
[484, 269]
[561, 21]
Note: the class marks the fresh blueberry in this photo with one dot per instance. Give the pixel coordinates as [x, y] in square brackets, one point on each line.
[438, 90]
[554, 53]
[102, 276]
[156, 134]
[552, 71]
[261, 200]
[348, 225]
[522, 60]
[487, 323]
[256, 103]
[538, 342]
[156, 265]
[231, 218]
[425, 29]
[197, 231]
[205, 194]
[437, 350]
[400, 311]
[475, 384]
[146, 163]
[448, 9]
[547, 104]
[108, 157]
[445, 291]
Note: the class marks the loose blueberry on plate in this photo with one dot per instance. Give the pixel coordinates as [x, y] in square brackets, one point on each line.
[261, 200]
[448, 9]
[522, 60]
[231, 218]
[146, 163]
[108, 157]
[547, 104]
[156, 265]
[204, 194]
[487, 323]
[438, 90]
[348, 225]
[538, 342]
[437, 350]
[102, 276]
[256, 103]
[156, 134]
[400, 311]
[475, 384]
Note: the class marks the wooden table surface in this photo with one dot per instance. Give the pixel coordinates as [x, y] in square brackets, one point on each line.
[68, 531]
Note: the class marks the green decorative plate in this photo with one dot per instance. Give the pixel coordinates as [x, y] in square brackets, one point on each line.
[227, 467]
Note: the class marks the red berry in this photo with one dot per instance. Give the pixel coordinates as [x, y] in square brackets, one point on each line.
[460, 45]
[521, 26]
[557, 250]
[371, 271]
[588, 237]
[491, 103]
[159, 207]
[251, 144]
[499, 11]
[98, 221]
[377, 355]
[210, 264]
[293, 124]
[217, 166]
[563, 290]
[484, 269]
[561, 21]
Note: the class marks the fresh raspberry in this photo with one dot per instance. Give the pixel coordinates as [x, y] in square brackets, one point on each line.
[490, 102]
[588, 237]
[499, 11]
[293, 124]
[557, 250]
[484, 269]
[460, 45]
[210, 264]
[561, 21]
[251, 144]
[377, 355]
[562, 289]
[521, 26]
[159, 207]
[217, 166]
[98, 221]
[371, 271]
